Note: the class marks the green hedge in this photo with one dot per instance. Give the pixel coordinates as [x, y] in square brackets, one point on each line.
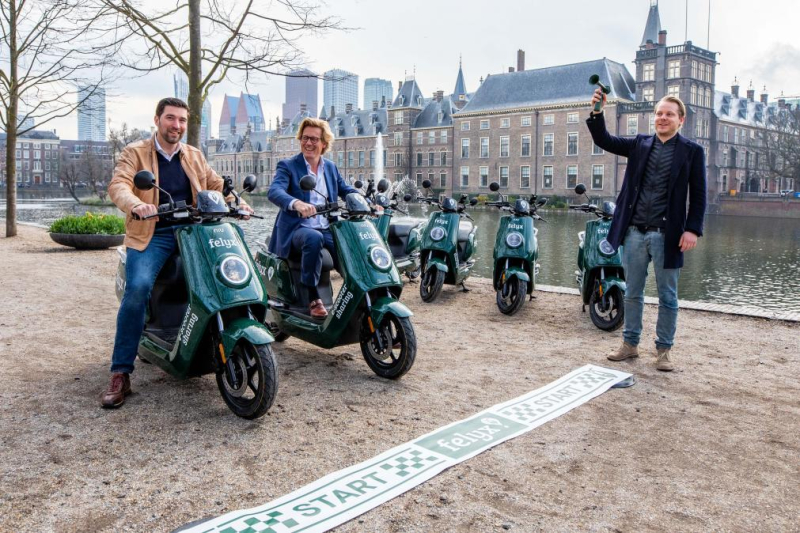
[89, 224]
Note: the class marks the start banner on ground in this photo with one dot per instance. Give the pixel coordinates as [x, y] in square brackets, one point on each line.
[343, 495]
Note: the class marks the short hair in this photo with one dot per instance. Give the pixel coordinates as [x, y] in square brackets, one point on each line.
[174, 102]
[327, 134]
[677, 101]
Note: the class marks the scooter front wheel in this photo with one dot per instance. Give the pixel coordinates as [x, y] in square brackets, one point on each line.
[250, 391]
[431, 284]
[511, 295]
[391, 350]
[607, 315]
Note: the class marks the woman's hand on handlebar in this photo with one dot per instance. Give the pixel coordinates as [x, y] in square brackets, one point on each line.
[305, 210]
[143, 211]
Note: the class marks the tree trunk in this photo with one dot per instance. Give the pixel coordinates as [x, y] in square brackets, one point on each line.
[195, 94]
[11, 127]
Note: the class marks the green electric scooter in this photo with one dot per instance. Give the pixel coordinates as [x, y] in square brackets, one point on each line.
[207, 308]
[366, 311]
[515, 252]
[448, 244]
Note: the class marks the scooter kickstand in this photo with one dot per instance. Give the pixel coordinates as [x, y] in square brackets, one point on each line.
[531, 297]
[583, 308]
[464, 287]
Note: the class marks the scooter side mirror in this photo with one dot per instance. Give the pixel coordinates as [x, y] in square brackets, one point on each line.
[407, 197]
[144, 180]
[383, 185]
[540, 202]
[249, 184]
[358, 184]
[426, 184]
[308, 183]
[580, 188]
[473, 201]
[494, 186]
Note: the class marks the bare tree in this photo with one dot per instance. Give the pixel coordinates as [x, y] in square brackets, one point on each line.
[210, 40]
[780, 146]
[49, 58]
[69, 174]
[119, 139]
[97, 171]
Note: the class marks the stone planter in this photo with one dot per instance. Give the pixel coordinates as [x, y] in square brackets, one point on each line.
[87, 241]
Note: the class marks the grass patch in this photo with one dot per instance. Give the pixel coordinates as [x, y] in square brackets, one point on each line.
[89, 224]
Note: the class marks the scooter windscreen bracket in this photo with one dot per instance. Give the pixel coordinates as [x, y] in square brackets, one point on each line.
[449, 205]
[211, 203]
[357, 205]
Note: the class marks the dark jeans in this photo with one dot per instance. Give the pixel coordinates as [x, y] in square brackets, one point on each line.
[309, 242]
[141, 271]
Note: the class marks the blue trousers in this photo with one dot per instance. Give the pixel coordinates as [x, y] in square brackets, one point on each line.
[309, 242]
[638, 250]
[141, 271]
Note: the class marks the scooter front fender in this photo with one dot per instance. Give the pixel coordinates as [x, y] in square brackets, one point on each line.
[610, 282]
[437, 262]
[513, 272]
[386, 305]
[245, 328]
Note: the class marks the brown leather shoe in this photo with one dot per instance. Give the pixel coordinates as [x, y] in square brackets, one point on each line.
[317, 309]
[114, 395]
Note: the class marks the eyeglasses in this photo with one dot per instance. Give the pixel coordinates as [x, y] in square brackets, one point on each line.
[307, 139]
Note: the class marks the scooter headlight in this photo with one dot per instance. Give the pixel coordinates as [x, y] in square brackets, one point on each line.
[234, 271]
[438, 233]
[514, 239]
[605, 247]
[380, 257]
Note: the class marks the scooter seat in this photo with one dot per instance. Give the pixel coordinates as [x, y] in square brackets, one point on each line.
[464, 229]
[327, 261]
[401, 229]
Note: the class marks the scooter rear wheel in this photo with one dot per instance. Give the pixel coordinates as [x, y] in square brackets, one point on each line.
[511, 296]
[611, 318]
[398, 346]
[431, 284]
[256, 383]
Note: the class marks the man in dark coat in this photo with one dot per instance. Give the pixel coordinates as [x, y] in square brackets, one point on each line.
[651, 218]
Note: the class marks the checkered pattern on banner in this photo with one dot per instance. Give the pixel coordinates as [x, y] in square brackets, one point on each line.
[406, 464]
[588, 380]
[271, 523]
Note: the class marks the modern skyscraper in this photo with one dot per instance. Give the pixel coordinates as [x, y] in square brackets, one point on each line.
[302, 87]
[181, 85]
[375, 89]
[339, 89]
[91, 114]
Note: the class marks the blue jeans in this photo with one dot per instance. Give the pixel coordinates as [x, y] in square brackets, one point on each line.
[141, 271]
[309, 243]
[639, 248]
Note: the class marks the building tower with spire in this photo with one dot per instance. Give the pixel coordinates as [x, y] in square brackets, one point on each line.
[460, 96]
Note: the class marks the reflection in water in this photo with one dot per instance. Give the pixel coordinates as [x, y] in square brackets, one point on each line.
[746, 261]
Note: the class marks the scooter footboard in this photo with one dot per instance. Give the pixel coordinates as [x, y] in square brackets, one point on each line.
[244, 328]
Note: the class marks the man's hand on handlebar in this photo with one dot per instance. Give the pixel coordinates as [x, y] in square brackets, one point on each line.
[247, 209]
[305, 210]
[142, 211]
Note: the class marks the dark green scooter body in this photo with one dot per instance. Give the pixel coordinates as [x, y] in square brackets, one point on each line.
[519, 261]
[445, 254]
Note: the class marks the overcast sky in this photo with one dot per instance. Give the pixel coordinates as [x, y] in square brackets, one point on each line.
[755, 40]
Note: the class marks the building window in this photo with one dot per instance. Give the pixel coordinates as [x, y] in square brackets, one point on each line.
[674, 69]
[597, 176]
[652, 128]
[725, 133]
[526, 146]
[419, 159]
[708, 97]
[484, 124]
[484, 152]
[572, 176]
[340, 159]
[431, 137]
[350, 159]
[649, 72]
[465, 126]
[419, 179]
[648, 94]
[465, 176]
[694, 69]
[572, 118]
[525, 177]
[596, 150]
[548, 144]
[372, 158]
[443, 180]
[361, 158]
[430, 178]
[572, 143]
[548, 120]
[633, 125]
[37, 154]
[693, 94]
[465, 148]
[443, 136]
[398, 159]
[398, 117]
[547, 177]
[431, 157]
[398, 138]
[419, 137]
[505, 122]
[526, 121]
[504, 143]
[443, 158]
[504, 177]
[483, 172]
[674, 90]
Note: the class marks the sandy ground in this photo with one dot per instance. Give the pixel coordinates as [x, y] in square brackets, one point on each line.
[712, 446]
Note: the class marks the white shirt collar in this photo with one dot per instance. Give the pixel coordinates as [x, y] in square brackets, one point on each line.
[161, 151]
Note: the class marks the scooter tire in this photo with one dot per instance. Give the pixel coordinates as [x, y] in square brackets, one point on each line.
[431, 285]
[517, 294]
[613, 318]
[259, 362]
[399, 346]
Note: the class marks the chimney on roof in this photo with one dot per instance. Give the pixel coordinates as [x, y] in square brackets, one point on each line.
[511, 69]
[781, 102]
[662, 38]
[374, 105]
[520, 60]
[764, 96]
[735, 88]
[751, 92]
[303, 108]
[333, 111]
[383, 100]
[348, 108]
[438, 96]
[399, 85]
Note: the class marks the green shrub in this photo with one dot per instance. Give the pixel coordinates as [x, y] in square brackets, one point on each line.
[483, 198]
[89, 224]
[556, 202]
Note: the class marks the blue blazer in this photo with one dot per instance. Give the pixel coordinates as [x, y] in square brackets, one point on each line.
[687, 179]
[286, 187]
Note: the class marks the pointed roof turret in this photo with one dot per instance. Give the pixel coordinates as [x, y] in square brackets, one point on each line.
[460, 92]
[653, 25]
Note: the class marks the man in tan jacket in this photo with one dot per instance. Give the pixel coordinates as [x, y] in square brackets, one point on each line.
[182, 171]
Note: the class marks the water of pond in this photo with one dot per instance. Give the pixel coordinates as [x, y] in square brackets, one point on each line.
[747, 261]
